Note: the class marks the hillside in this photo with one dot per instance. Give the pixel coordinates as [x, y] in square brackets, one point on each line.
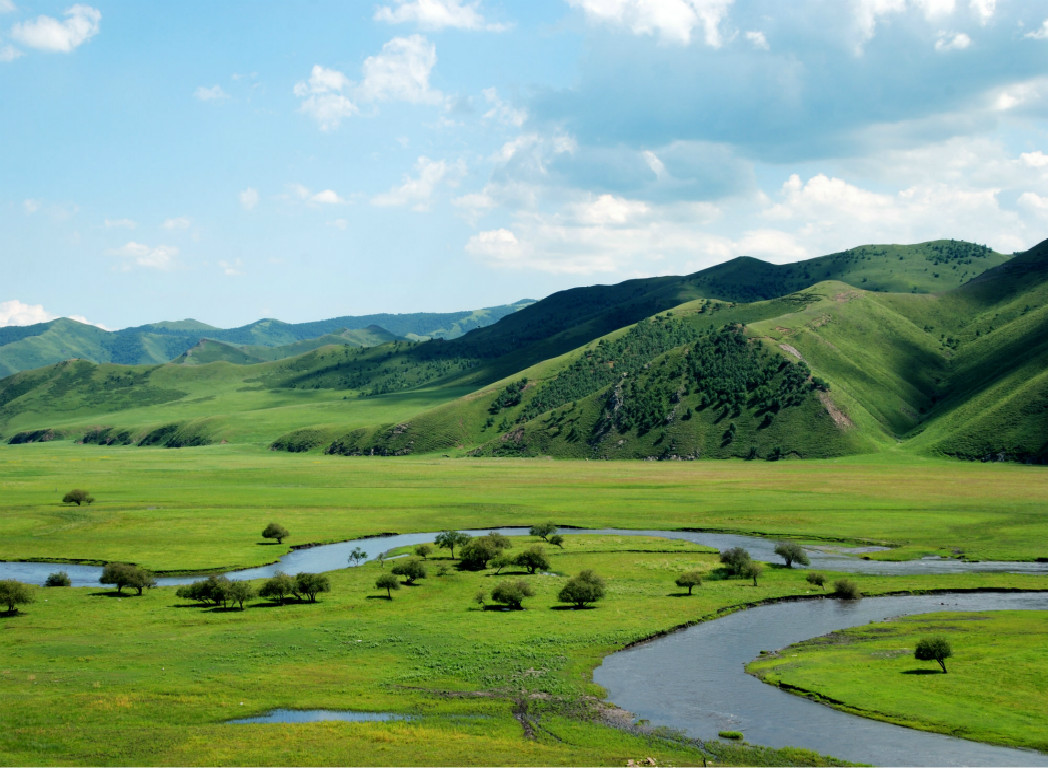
[24, 348]
[643, 369]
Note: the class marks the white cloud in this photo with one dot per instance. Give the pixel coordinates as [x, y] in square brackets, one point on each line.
[503, 112]
[328, 196]
[15, 312]
[672, 20]
[31, 206]
[48, 34]
[952, 42]
[324, 97]
[401, 72]
[498, 245]
[231, 268]
[1021, 94]
[984, 10]
[214, 93]
[173, 225]
[417, 190]
[608, 209]
[9, 53]
[758, 39]
[436, 14]
[1039, 34]
[248, 198]
[120, 224]
[1035, 159]
[7, 6]
[138, 255]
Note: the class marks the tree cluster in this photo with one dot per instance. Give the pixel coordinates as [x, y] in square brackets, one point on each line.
[218, 591]
[127, 575]
[303, 586]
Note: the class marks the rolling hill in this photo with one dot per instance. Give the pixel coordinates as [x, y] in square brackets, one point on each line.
[937, 348]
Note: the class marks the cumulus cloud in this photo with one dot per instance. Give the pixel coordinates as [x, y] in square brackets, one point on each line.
[324, 97]
[214, 93]
[759, 40]
[1035, 159]
[1039, 34]
[952, 41]
[327, 196]
[673, 21]
[417, 190]
[248, 198]
[504, 113]
[436, 14]
[48, 34]
[15, 312]
[162, 257]
[9, 53]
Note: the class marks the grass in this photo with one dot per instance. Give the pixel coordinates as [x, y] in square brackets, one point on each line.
[204, 508]
[156, 687]
[996, 688]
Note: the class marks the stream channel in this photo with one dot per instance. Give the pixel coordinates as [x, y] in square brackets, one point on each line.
[693, 680]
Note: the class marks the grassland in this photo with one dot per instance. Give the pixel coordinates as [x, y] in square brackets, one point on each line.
[996, 689]
[487, 687]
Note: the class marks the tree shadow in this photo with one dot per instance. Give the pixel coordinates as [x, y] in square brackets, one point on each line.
[113, 593]
[923, 672]
[267, 544]
[271, 604]
[388, 598]
[680, 594]
[13, 613]
[572, 607]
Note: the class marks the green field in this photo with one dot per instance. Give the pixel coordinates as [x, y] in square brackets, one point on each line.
[995, 689]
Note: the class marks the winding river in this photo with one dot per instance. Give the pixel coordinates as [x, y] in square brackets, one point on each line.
[694, 680]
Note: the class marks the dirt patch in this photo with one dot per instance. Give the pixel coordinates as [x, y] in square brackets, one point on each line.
[793, 351]
[842, 421]
[847, 296]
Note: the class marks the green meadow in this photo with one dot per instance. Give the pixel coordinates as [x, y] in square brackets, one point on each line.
[995, 688]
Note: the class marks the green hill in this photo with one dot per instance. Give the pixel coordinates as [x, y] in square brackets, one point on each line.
[663, 368]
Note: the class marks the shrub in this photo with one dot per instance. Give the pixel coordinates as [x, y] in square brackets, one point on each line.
[278, 587]
[58, 579]
[412, 570]
[533, 559]
[846, 589]
[512, 593]
[423, 550]
[475, 553]
[816, 579]
[585, 588]
[78, 496]
[735, 559]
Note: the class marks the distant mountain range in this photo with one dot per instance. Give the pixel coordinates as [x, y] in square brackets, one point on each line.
[936, 348]
[26, 347]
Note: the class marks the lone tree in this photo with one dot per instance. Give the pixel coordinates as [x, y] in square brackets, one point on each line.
[58, 579]
[543, 530]
[388, 582]
[423, 550]
[275, 531]
[451, 539]
[556, 540]
[512, 593]
[278, 587]
[78, 496]
[752, 570]
[357, 556]
[933, 649]
[127, 575]
[14, 593]
[816, 579]
[735, 559]
[585, 588]
[689, 579]
[311, 584]
[412, 570]
[532, 558]
[792, 553]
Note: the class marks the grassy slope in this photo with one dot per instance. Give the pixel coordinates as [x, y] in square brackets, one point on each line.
[158, 689]
[996, 689]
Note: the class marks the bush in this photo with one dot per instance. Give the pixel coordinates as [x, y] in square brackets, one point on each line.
[475, 553]
[933, 649]
[816, 579]
[556, 540]
[735, 559]
[278, 587]
[423, 550]
[58, 579]
[412, 570]
[533, 559]
[846, 589]
[512, 593]
[585, 588]
[78, 496]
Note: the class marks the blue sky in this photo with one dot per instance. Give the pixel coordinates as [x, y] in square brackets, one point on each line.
[238, 160]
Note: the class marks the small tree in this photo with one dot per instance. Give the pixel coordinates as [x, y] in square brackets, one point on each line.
[58, 579]
[278, 587]
[14, 593]
[735, 559]
[498, 562]
[78, 496]
[480, 597]
[311, 584]
[450, 540]
[388, 582]
[412, 570]
[532, 558]
[816, 579]
[543, 530]
[275, 531]
[423, 550]
[512, 593]
[127, 575]
[475, 553]
[846, 589]
[557, 540]
[585, 588]
[240, 592]
[792, 553]
[689, 579]
[213, 589]
[752, 570]
[933, 649]
[357, 556]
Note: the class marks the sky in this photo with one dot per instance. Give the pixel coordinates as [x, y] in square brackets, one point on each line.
[304, 160]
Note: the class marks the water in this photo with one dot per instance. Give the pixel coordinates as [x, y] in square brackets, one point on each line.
[330, 557]
[320, 715]
[694, 680]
